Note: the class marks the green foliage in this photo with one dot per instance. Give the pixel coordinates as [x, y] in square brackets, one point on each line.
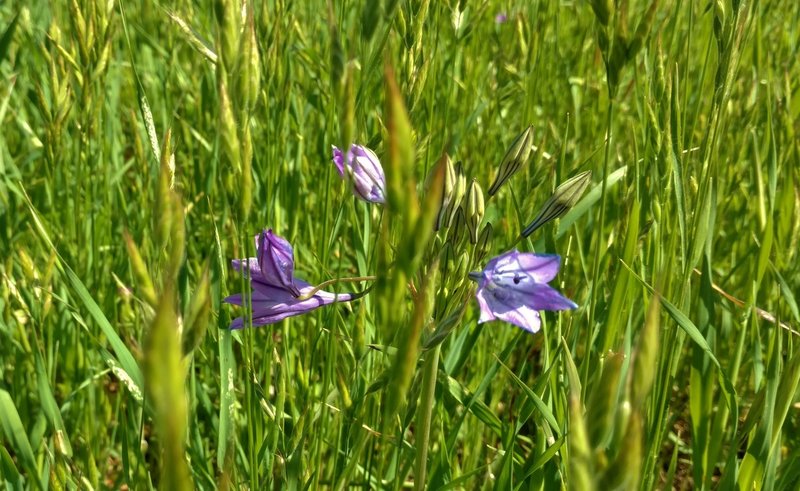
[652, 145]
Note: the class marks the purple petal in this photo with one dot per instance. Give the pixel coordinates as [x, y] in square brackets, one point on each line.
[500, 306]
[276, 260]
[272, 303]
[486, 310]
[338, 160]
[524, 317]
[541, 267]
[369, 179]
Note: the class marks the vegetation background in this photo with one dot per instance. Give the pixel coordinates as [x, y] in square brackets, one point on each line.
[143, 144]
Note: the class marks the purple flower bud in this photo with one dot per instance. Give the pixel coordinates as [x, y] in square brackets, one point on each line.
[276, 261]
[513, 287]
[362, 166]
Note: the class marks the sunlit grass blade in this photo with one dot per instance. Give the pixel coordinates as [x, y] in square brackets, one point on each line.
[14, 433]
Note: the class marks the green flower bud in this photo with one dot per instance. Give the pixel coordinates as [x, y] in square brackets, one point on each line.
[474, 209]
[517, 154]
[459, 190]
[459, 227]
[484, 240]
[447, 203]
[564, 197]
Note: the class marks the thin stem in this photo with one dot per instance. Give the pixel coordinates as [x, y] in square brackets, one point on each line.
[356, 279]
[425, 416]
[599, 244]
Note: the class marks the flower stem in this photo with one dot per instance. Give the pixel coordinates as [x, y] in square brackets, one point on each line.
[599, 243]
[425, 416]
[322, 285]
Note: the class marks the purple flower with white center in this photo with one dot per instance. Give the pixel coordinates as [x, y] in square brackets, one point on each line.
[276, 260]
[513, 287]
[276, 294]
[362, 166]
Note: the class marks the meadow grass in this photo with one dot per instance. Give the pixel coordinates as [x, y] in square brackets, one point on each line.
[143, 145]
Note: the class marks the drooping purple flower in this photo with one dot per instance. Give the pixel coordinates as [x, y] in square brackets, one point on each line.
[362, 166]
[275, 293]
[276, 260]
[513, 287]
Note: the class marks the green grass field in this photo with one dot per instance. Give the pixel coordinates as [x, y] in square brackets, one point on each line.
[144, 145]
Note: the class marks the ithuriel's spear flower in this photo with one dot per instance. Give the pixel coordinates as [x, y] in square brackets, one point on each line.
[276, 260]
[276, 294]
[362, 166]
[513, 287]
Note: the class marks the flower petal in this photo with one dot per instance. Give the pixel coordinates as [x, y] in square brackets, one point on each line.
[338, 160]
[276, 260]
[508, 308]
[486, 310]
[541, 267]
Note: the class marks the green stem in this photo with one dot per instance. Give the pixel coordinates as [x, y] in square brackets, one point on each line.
[322, 285]
[599, 242]
[425, 416]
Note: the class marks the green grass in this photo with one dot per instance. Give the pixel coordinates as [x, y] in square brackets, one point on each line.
[143, 145]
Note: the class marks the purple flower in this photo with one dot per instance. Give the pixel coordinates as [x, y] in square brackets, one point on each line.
[513, 287]
[362, 166]
[500, 18]
[276, 294]
[276, 260]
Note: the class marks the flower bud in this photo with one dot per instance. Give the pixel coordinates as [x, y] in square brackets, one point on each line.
[484, 239]
[459, 226]
[363, 167]
[474, 208]
[564, 197]
[459, 190]
[448, 187]
[517, 154]
[276, 260]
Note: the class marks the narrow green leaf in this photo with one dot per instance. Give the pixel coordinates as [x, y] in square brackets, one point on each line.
[14, 433]
[50, 407]
[537, 401]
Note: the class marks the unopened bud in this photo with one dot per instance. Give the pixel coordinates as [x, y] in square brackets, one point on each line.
[474, 209]
[515, 157]
[484, 240]
[448, 187]
[459, 190]
[458, 227]
[564, 197]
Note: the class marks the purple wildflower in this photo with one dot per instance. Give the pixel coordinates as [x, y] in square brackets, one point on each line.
[362, 166]
[500, 18]
[276, 294]
[513, 287]
[276, 260]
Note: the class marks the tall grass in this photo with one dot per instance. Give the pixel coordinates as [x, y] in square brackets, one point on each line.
[144, 144]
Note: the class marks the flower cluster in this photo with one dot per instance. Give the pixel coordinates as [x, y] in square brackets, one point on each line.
[512, 287]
